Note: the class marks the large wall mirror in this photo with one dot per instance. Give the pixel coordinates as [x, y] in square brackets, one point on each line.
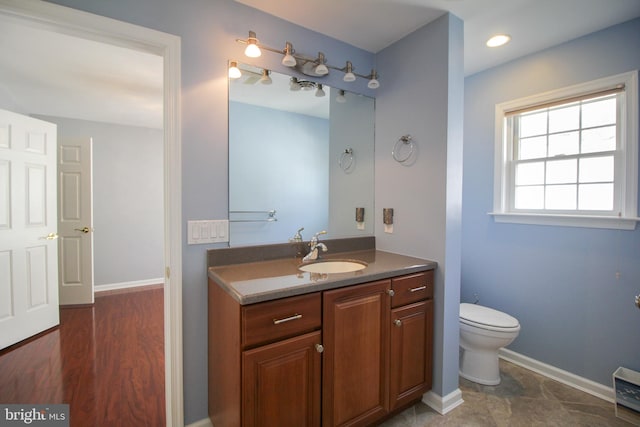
[301, 154]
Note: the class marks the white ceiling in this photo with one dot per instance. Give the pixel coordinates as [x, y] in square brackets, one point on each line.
[533, 24]
[50, 73]
[55, 74]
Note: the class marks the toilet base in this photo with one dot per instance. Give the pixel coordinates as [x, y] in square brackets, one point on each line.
[480, 367]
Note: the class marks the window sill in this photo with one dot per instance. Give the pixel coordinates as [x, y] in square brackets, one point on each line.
[616, 223]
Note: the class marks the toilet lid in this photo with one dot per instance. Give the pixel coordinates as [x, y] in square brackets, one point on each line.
[481, 315]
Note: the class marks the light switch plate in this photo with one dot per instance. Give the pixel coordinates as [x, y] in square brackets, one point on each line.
[207, 231]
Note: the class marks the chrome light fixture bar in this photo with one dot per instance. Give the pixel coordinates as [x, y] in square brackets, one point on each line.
[309, 66]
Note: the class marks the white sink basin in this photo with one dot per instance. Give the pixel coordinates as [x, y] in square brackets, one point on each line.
[333, 266]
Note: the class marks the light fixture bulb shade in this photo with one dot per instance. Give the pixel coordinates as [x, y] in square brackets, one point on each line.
[294, 86]
[289, 60]
[234, 71]
[320, 92]
[321, 70]
[373, 84]
[265, 79]
[252, 50]
[349, 77]
[341, 98]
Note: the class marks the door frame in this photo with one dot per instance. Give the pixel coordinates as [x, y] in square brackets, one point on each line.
[98, 28]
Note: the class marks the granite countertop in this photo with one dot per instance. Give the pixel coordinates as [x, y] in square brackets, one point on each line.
[254, 282]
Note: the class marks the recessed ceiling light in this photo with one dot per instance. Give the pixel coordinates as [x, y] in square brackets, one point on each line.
[498, 40]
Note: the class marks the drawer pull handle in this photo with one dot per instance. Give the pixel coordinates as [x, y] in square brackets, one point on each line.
[391, 292]
[419, 288]
[287, 319]
[397, 322]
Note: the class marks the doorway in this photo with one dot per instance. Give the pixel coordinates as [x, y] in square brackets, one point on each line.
[58, 19]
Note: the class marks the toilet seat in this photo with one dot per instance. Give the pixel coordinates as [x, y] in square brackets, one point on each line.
[487, 318]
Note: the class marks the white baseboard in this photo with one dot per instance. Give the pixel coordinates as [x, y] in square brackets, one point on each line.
[442, 405]
[202, 423]
[583, 384]
[127, 285]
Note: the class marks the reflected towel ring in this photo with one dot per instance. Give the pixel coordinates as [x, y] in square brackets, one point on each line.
[346, 160]
[403, 141]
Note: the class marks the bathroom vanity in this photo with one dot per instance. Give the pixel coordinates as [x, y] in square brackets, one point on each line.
[294, 348]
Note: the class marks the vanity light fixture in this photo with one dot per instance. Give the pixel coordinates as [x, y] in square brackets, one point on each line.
[373, 81]
[320, 92]
[294, 86]
[341, 98]
[321, 69]
[288, 60]
[234, 71]
[498, 40]
[349, 76]
[306, 65]
[252, 50]
[266, 78]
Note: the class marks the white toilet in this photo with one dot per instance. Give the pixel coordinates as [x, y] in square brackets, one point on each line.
[483, 331]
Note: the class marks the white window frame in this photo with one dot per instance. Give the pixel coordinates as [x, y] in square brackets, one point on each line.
[627, 218]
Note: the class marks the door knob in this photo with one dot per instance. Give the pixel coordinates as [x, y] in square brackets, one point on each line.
[397, 322]
[85, 230]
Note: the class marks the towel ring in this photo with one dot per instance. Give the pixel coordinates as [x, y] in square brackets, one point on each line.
[401, 142]
[346, 160]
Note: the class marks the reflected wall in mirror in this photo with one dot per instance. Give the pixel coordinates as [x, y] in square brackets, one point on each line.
[288, 153]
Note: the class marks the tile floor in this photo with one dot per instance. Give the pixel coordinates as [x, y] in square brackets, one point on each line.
[523, 398]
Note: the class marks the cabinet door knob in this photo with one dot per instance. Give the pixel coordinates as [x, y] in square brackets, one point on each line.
[638, 301]
[397, 322]
[391, 292]
[319, 348]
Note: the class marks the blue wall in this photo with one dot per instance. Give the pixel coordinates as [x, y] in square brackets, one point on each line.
[560, 282]
[208, 29]
[424, 98]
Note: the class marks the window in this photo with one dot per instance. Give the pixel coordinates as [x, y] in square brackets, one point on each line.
[569, 157]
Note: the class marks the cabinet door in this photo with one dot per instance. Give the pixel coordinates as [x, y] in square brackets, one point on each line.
[281, 383]
[356, 341]
[411, 352]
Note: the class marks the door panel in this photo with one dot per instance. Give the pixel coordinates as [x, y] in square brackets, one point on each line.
[75, 226]
[356, 341]
[411, 348]
[28, 224]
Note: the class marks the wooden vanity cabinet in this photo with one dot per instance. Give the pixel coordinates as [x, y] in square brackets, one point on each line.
[411, 356]
[267, 368]
[378, 340]
[356, 358]
[264, 361]
[281, 383]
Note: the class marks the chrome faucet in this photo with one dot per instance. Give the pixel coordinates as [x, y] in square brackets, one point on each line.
[297, 237]
[314, 245]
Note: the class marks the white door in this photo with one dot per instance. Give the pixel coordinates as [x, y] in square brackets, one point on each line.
[28, 246]
[75, 221]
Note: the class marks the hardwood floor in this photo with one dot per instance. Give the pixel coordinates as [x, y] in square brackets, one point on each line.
[105, 361]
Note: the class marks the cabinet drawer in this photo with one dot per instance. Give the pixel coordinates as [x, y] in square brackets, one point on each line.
[270, 321]
[412, 288]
